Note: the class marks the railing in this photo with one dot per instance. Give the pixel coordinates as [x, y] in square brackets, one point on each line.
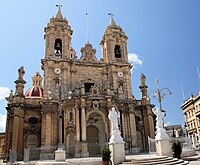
[47, 152]
[186, 143]
[152, 146]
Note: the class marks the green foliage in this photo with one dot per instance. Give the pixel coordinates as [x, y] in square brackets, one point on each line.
[105, 154]
[177, 149]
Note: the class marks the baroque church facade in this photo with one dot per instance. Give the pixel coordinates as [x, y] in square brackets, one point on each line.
[70, 108]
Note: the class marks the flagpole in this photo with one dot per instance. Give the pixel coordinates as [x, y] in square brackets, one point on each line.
[86, 22]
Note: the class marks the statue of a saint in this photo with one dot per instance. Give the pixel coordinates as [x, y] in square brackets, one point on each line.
[120, 89]
[113, 116]
[94, 89]
[142, 80]
[21, 73]
[159, 118]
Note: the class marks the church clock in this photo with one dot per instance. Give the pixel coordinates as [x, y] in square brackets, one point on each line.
[57, 70]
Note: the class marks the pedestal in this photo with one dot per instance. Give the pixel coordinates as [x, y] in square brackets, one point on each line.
[84, 152]
[116, 146]
[77, 150]
[60, 155]
[161, 134]
[117, 152]
[163, 147]
[116, 137]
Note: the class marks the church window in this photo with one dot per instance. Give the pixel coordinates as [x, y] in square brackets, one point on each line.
[58, 46]
[88, 87]
[117, 51]
[33, 120]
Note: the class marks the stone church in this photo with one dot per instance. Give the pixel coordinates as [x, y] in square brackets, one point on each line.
[68, 106]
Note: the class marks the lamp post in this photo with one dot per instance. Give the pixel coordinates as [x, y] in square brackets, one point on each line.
[160, 94]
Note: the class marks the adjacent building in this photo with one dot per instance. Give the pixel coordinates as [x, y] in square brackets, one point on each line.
[2, 144]
[191, 111]
[176, 131]
[70, 108]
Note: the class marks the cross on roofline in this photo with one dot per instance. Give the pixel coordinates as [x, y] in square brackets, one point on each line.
[111, 15]
[59, 5]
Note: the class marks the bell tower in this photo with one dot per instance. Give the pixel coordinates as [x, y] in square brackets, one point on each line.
[58, 37]
[114, 43]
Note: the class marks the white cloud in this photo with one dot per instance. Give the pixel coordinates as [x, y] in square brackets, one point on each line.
[4, 92]
[2, 123]
[134, 59]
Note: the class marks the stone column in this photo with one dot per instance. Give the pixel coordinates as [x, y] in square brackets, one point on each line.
[146, 129]
[77, 145]
[109, 106]
[84, 152]
[193, 144]
[133, 129]
[15, 132]
[123, 125]
[21, 136]
[151, 122]
[48, 130]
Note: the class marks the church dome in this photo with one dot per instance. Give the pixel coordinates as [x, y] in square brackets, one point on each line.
[36, 90]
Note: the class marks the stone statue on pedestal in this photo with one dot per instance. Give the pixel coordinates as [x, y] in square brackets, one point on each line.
[163, 146]
[159, 118]
[116, 143]
[160, 131]
[142, 80]
[115, 133]
[113, 116]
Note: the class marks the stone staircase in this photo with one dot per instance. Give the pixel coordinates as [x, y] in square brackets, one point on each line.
[158, 160]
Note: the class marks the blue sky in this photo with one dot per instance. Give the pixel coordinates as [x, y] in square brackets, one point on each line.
[164, 40]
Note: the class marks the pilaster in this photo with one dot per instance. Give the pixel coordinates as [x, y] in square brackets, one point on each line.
[84, 152]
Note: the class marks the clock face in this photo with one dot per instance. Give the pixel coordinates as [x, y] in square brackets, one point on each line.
[120, 74]
[57, 70]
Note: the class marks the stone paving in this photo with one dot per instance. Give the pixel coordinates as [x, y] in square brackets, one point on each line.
[195, 160]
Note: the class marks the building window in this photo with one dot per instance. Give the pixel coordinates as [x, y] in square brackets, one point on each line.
[88, 87]
[58, 46]
[117, 51]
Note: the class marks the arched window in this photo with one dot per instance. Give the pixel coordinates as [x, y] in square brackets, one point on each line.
[117, 51]
[58, 46]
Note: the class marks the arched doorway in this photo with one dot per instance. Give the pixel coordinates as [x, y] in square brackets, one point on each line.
[32, 143]
[93, 140]
[96, 132]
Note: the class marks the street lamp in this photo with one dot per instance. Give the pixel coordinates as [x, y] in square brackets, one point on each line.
[160, 94]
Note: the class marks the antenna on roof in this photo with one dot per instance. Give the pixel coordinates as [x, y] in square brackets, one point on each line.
[86, 22]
